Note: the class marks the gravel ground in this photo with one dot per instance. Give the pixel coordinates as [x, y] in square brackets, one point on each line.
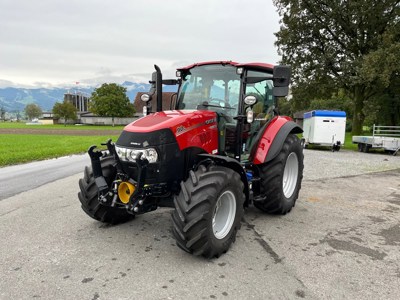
[319, 164]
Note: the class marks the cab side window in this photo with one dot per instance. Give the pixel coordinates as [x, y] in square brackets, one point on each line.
[262, 90]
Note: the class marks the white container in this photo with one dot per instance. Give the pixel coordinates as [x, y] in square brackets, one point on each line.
[325, 127]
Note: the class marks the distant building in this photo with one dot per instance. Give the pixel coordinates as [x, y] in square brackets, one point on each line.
[298, 117]
[47, 115]
[79, 100]
[47, 118]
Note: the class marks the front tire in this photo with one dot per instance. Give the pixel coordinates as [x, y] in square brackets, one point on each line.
[208, 211]
[281, 178]
[88, 196]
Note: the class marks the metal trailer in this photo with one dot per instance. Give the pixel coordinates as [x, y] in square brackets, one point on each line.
[384, 137]
[324, 128]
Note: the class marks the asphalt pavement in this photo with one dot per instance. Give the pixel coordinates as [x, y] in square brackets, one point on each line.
[24, 177]
[341, 241]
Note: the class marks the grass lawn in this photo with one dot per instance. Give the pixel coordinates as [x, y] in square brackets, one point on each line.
[20, 125]
[21, 148]
[348, 144]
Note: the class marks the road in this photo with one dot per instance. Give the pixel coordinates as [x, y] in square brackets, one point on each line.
[21, 178]
[340, 241]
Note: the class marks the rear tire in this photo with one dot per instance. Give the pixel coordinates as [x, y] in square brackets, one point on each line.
[281, 178]
[208, 211]
[88, 196]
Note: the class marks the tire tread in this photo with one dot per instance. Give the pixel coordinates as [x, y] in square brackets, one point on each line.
[193, 209]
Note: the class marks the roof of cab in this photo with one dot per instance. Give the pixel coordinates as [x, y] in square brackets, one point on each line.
[253, 65]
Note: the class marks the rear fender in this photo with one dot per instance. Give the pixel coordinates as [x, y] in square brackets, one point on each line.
[273, 137]
[233, 164]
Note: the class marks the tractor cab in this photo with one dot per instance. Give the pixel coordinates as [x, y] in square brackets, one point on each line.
[240, 94]
[215, 87]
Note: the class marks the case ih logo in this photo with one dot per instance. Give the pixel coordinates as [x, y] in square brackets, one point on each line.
[209, 121]
[182, 129]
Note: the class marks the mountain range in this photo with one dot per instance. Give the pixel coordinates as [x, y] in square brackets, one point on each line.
[14, 99]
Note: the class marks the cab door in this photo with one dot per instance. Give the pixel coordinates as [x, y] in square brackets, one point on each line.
[262, 90]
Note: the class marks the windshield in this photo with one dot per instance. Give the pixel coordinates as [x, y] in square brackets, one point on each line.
[212, 87]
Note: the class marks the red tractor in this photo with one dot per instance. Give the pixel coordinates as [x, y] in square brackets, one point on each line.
[221, 148]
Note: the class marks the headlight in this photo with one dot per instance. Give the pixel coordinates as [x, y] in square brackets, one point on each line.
[121, 152]
[145, 97]
[127, 154]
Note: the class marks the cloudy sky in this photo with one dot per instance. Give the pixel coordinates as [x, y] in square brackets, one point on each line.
[54, 42]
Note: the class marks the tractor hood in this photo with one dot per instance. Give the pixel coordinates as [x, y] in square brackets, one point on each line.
[178, 121]
[188, 128]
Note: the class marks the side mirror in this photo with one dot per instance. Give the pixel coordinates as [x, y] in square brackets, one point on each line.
[281, 79]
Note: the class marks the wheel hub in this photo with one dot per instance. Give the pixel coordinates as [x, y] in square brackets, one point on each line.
[224, 214]
[290, 175]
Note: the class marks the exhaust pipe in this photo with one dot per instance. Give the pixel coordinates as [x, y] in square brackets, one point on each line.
[158, 87]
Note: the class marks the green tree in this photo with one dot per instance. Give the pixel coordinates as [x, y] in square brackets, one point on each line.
[341, 44]
[33, 111]
[110, 100]
[2, 113]
[65, 110]
[386, 106]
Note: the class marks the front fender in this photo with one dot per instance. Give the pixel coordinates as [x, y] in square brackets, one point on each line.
[271, 140]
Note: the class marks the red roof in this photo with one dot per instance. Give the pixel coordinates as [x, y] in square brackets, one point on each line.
[253, 65]
[257, 65]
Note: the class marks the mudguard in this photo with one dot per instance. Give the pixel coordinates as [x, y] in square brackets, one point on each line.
[273, 137]
[233, 164]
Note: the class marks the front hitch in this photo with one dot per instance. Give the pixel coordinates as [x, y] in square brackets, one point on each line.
[139, 191]
[105, 192]
[111, 148]
[97, 171]
[130, 193]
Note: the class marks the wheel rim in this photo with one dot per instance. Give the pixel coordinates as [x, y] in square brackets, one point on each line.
[290, 174]
[224, 214]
